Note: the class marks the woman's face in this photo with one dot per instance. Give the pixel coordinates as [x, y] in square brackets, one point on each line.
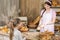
[46, 6]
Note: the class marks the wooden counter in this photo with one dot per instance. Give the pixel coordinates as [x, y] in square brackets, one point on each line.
[4, 37]
[31, 35]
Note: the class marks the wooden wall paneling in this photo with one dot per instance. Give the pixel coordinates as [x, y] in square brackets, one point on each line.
[22, 7]
[31, 8]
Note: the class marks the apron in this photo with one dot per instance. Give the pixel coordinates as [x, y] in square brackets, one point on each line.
[47, 17]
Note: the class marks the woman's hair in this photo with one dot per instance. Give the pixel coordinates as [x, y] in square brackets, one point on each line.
[48, 3]
[14, 23]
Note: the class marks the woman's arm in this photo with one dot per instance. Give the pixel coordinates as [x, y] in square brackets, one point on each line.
[39, 25]
[53, 17]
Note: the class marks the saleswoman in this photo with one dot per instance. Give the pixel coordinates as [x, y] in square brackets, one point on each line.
[48, 17]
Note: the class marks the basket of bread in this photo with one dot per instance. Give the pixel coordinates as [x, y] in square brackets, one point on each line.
[4, 29]
[46, 35]
[24, 29]
[56, 3]
[34, 23]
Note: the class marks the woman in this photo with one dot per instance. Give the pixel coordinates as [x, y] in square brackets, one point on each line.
[48, 17]
[15, 34]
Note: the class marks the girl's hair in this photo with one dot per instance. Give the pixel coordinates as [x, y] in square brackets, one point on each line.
[48, 3]
[17, 21]
[14, 24]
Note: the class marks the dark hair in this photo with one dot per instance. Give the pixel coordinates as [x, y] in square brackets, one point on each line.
[43, 13]
[48, 3]
[16, 21]
[44, 8]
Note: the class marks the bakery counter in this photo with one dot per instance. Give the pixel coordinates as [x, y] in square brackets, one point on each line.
[4, 36]
[31, 35]
[38, 36]
[27, 35]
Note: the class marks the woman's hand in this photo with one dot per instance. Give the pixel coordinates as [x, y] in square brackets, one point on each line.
[40, 26]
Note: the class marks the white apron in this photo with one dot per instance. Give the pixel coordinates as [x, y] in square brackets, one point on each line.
[47, 17]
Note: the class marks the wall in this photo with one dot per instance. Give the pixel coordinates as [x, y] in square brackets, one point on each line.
[8, 8]
[31, 8]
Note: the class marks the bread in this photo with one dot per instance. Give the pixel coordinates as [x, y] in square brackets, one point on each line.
[24, 29]
[4, 29]
[46, 35]
[35, 21]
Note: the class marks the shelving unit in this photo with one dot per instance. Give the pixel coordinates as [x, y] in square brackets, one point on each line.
[57, 9]
[58, 17]
[57, 25]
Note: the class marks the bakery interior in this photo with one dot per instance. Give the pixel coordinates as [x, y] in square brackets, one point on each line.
[28, 11]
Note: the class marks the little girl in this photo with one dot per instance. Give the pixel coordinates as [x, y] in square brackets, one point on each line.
[15, 34]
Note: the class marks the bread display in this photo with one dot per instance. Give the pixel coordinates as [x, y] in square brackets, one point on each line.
[35, 21]
[24, 29]
[57, 28]
[4, 29]
[56, 21]
[58, 13]
[46, 35]
[57, 37]
[55, 3]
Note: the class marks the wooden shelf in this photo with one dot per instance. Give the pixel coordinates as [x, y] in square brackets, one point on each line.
[58, 17]
[55, 7]
[57, 24]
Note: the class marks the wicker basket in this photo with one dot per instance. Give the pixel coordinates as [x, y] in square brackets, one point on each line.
[46, 36]
[32, 26]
